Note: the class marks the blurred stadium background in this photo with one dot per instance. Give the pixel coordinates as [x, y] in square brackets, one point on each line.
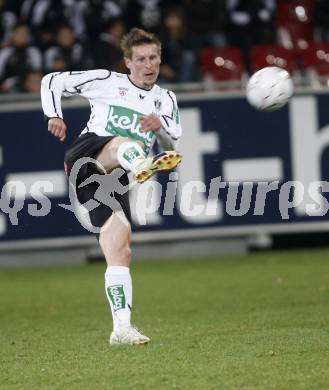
[210, 47]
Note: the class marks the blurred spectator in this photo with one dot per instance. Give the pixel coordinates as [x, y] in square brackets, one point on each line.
[67, 54]
[96, 14]
[321, 19]
[178, 54]
[8, 21]
[107, 51]
[207, 21]
[295, 23]
[31, 82]
[18, 58]
[42, 16]
[250, 23]
[147, 14]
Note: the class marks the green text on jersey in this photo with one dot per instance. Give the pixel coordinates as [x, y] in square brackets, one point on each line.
[125, 122]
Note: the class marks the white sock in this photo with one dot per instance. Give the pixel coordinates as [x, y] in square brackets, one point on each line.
[130, 155]
[118, 288]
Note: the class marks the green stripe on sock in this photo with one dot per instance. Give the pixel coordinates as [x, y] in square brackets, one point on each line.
[117, 296]
[131, 154]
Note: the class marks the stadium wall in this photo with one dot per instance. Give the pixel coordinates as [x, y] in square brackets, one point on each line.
[245, 173]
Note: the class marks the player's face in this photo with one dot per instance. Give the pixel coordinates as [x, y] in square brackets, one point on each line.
[144, 65]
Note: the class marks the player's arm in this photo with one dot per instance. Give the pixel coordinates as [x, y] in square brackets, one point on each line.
[56, 85]
[170, 131]
[57, 127]
[166, 124]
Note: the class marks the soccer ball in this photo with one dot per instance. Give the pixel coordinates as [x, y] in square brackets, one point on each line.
[269, 88]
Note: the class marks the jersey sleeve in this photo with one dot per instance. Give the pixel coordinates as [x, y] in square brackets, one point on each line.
[171, 130]
[55, 85]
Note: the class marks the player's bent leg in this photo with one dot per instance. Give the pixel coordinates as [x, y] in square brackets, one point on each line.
[115, 240]
[130, 155]
[165, 161]
[121, 151]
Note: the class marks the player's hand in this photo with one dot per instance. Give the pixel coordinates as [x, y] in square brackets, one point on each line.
[57, 127]
[150, 123]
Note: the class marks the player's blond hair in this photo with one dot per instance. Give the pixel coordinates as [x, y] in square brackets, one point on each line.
[137, 37]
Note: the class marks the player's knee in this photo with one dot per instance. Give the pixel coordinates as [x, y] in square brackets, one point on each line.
[112, 150]
[112, 156]
[123, 248]
[114, 146]
[126, 253]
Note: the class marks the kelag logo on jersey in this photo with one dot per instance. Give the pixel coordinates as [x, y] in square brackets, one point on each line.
[125, 122]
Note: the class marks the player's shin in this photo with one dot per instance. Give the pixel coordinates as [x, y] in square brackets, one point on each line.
[118, 288]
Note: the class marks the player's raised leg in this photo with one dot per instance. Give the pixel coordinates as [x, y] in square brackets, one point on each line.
[165, 161]
[130, 155]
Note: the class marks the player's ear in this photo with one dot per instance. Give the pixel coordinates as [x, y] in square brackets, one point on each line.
[127, 62]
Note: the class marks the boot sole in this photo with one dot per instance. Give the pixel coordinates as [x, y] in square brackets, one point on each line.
[167, 162]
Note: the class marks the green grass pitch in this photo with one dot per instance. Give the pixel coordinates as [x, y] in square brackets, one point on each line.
[259, 321]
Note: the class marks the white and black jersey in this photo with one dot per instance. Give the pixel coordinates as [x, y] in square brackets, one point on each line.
[116, 105]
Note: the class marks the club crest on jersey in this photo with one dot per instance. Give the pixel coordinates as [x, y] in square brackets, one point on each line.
[157, 104]
[122, 91]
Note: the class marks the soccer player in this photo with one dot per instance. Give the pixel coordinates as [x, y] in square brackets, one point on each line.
[128, 113]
